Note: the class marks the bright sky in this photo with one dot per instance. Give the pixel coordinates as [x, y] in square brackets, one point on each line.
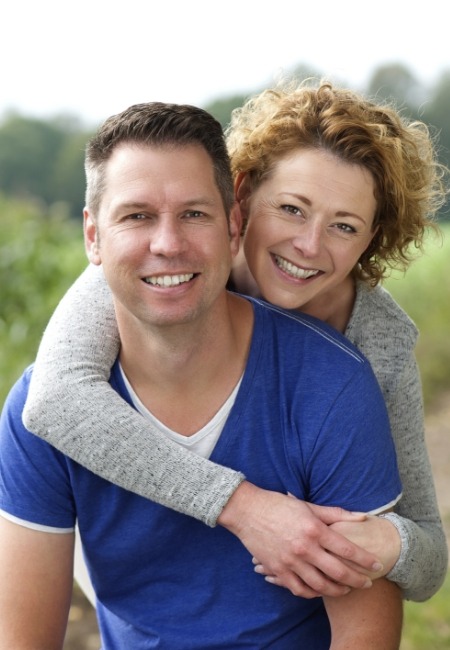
[93, 58]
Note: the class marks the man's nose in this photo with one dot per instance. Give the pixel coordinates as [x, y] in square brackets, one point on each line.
[167, 237]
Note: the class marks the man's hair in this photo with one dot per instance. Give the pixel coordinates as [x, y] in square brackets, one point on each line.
[399, 154]
[157, 124]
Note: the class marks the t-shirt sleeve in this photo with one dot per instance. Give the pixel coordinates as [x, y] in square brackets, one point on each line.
[352, 462]
[34, 477]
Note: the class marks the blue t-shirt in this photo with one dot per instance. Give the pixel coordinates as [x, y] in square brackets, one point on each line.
[309, 419]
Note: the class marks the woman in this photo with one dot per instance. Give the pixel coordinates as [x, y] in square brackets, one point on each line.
[332, 190]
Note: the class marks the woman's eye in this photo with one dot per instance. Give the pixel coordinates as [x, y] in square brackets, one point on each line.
[345, 227]
[291, 209]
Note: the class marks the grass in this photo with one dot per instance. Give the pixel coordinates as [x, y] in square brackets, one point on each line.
[427, 625]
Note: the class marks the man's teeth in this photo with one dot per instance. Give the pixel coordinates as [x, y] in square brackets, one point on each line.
[293, 270]
[169, 280]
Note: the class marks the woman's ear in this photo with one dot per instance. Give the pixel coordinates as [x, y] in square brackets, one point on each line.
[242, 186]
[235, 227]
[242, 191]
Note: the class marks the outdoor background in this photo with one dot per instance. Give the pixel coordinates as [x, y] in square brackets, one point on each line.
[66, 67]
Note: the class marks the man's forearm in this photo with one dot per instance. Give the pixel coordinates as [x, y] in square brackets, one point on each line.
[369, 619]
[36, 584]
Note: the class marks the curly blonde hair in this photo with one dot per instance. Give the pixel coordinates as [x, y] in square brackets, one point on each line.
[400, 154]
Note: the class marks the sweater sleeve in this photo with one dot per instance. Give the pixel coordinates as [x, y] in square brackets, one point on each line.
[422, 566]
[72, 406]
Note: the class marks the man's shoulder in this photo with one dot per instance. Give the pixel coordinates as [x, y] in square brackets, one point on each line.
[19, 391]
[297, 330]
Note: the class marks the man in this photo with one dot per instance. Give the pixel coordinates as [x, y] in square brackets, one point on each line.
[215, 371]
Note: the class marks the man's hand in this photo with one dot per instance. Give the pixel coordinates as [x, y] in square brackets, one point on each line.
[295, 544]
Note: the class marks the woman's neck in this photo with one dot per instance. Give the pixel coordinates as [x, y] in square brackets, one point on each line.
[334, 307]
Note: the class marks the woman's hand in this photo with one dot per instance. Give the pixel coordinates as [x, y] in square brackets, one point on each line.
[295, 542]
[378, 536]
[375, 534]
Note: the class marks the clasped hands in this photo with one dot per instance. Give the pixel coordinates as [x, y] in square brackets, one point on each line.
[309, 549]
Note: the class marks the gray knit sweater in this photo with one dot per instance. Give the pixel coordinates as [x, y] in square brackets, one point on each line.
[72, 406]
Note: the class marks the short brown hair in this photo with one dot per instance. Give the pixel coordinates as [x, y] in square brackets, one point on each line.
[158, 124]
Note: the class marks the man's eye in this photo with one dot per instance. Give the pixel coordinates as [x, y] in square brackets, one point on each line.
[194, 214]
[137, 216]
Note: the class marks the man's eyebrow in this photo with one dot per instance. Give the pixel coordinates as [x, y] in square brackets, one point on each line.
[188, 203]
[132, 205]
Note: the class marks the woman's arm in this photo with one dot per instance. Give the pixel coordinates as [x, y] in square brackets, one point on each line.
[422, 566]
[72, 406]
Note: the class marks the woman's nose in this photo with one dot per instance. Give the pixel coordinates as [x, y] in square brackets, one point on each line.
[308, 239]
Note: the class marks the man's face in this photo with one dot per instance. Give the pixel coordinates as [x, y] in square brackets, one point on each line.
[162, 234]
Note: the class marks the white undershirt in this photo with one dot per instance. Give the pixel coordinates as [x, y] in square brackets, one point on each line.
[203, 441]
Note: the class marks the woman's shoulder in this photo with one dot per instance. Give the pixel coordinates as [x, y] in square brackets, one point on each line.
[381, 329]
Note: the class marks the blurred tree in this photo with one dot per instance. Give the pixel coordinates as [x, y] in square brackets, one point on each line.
[68, 177]
[43, 159]
[40, 255]
[28, 148]
[222, 108]
[437, 112]
[396, 83]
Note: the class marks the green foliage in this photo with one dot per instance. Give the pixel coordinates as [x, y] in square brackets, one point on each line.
[424, 293]
[395, 83]
[43, 159]
[40, 255]
[221, 109]
[436, 112]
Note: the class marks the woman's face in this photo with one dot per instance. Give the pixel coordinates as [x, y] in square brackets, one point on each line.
[308, 225]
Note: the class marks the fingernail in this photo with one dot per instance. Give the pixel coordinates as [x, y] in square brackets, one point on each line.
[367, 584]
[377, 566]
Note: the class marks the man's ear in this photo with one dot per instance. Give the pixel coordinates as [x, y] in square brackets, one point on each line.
[91, 243]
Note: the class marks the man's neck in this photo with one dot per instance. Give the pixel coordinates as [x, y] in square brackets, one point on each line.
[184, 374]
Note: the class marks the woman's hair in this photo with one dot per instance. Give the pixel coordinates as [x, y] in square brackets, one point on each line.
[399, 153]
